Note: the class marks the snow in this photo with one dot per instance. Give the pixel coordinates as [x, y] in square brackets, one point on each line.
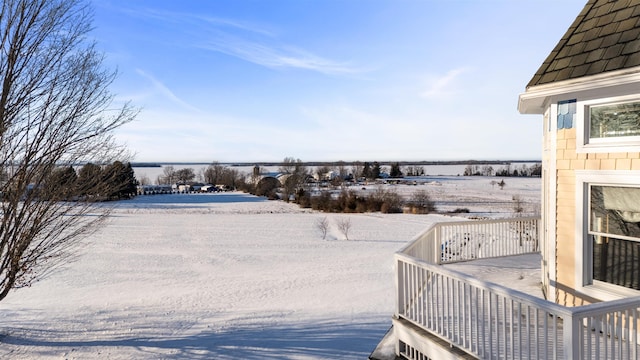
[230, 276]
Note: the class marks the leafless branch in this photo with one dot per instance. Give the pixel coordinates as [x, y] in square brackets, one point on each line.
[55, 110]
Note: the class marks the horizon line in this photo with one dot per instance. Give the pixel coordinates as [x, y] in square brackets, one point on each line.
[321, 162]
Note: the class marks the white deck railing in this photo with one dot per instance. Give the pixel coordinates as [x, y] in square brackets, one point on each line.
[469, 240]
[493, 322]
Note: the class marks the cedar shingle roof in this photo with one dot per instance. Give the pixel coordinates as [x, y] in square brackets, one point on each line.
[604, 37]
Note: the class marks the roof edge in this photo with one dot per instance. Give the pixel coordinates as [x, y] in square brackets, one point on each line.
[534, 99]
[537, 77]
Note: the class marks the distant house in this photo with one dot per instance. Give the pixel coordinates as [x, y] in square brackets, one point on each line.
[209, 188]
[588, 93]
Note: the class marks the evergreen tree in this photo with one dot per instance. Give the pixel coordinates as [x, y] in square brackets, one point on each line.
[120, 180]
[89, 180]
[395, 171]
[61, 184]
[366, 170]
[375, 170]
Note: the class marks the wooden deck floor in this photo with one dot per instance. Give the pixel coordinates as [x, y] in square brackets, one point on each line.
[518, 272]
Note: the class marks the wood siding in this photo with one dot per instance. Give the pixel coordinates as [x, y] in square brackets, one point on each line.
[567, 162]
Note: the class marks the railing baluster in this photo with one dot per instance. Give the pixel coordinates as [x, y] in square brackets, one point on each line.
[618, 321]
[519, 317]
[626, 333]
[589, 344]
[466, 336]
[633, 334]
[456, 308]
[545, 347]
[555, 335]
[613, 334]
[437, 295]
[482, 322]
[529, 342]
[432, 311]
[447, 305]
[477, 320]
[598, 334]
[537, 322]
[491, 325]
[422, 303]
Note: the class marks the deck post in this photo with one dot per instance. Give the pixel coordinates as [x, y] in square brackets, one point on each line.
[399, 287]
[571, 337]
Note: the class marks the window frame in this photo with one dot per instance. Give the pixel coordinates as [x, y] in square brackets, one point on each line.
[585, 144]
[583, 244]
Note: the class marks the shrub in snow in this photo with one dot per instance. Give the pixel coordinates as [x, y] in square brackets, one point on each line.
[344, 225]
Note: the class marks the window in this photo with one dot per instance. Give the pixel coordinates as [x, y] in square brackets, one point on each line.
[615, 120]
[608, 233]
[609, 125]
[614, 233]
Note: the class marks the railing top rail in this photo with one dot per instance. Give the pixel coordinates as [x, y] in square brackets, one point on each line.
[605, 307]
[416, 238]
[442, 224]
[486, 221]
[423, 233]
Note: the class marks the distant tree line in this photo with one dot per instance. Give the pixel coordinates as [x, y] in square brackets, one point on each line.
[91, 182]
[214, 174]
[533, 170]
[294, 185]
[379, 200]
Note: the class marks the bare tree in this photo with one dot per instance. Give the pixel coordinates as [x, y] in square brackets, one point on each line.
[296, 176]
[185, 175]
[168, 176]
[144, 180]
[421, 203]
[213, 173]
[218, 174]
[344, 225]
[343, 172]
[55, 109]
[291, 165]
[322, 172]
[323, 226]
[357, 170]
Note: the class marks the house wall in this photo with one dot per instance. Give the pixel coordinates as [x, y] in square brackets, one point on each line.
[567, 162]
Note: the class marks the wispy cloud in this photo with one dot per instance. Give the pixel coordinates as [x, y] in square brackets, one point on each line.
[255, 43]
[440, 86]
[198, 20]
[165, 91]
[277, 56]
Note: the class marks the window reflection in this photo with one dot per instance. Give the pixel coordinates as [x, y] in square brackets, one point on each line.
[614, 120]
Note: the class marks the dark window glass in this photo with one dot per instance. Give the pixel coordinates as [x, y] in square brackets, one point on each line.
[614, 120]
[614, 228]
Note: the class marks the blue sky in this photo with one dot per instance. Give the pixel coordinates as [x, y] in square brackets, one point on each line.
[240, 80]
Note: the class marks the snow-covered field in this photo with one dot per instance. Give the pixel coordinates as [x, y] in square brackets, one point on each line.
[231, 276]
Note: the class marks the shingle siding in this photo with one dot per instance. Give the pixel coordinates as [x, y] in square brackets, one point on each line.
[604, 37]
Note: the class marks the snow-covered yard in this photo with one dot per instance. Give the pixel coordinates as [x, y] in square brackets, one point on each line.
[229, 276]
